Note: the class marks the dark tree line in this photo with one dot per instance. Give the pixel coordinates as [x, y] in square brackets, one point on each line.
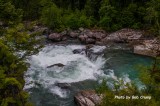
[110, 15]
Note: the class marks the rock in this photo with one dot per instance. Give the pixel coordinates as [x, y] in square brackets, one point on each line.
[58, 64]
[89, 46]
[90, 41]
[79, 51]
[124, 36]
[74, 34]
[83, 38]
[148, 48]
[99, 43]
[63, 85]
[55, 37]
[88, 98]
[64, 38]
[99, 36]
[91, 36]
[87, 51]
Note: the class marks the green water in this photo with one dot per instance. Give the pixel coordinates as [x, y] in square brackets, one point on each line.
[123, 62]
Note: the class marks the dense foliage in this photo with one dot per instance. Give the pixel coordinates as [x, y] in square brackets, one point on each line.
[14, 40]
[107, 14]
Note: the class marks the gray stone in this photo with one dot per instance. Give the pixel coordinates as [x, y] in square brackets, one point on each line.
[90, 41]
[88, 98]
[124, 36]
[148, 48]
[74, 34]
[83, 38]
[55, 37]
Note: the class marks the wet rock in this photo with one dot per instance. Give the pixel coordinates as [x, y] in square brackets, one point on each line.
[63, 85]
[87, 51]
[88, 98]
[90, 41]
[148, 48]
[58, 64]
[89, 46]
[55, 37]
[79, 51]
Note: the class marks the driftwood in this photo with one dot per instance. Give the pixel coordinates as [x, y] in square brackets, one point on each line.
[58, 64]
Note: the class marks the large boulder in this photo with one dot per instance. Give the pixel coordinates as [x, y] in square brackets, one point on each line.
[88, 98]
[83, 38]
[91, 36]
[55, 36]
[90, 41]
[99, 35]
[124, 36]
[74, 34]
[148, 48]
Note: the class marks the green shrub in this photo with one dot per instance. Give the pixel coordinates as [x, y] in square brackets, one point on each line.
[51, 16]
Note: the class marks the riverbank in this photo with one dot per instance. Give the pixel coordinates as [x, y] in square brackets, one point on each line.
[137, 40]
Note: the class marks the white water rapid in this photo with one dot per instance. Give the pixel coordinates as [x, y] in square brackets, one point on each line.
[76, 68]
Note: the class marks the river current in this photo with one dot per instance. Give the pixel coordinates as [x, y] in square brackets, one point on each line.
[57, 85]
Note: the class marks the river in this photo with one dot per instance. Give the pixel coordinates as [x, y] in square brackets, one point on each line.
[56, 86]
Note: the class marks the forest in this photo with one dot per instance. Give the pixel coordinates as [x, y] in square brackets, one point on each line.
[58, 15]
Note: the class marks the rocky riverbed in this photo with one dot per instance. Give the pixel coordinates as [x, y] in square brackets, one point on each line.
[132, 39]
[135, 39]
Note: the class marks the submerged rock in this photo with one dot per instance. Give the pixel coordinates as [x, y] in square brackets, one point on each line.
[88, 98]
[58, 64]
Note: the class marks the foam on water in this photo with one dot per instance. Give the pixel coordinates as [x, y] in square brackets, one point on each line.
[77, 67]
[98, 48]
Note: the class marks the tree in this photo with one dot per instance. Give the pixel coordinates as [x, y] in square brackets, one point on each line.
[13, 40]
[108, 16]
[52, 16]
[9, 14]
[153, 15]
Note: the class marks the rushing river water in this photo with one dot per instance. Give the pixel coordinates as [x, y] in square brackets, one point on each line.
[56, 86]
